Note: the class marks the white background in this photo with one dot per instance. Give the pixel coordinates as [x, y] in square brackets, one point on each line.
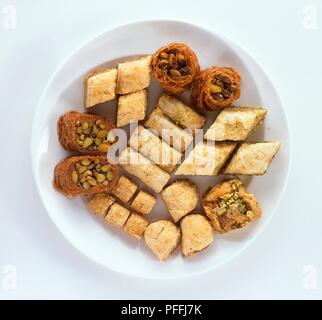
[278, 34]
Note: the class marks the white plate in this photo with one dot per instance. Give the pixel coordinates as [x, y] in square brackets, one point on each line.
[112, 248]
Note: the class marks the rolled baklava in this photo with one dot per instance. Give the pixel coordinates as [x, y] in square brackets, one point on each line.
[84, 175]
[174, 67]
[85, 133]
[216, 88]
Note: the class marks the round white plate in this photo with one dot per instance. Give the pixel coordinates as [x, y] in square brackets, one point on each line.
[113, 248]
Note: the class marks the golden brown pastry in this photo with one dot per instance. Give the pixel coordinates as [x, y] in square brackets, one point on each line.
[252, 158]
[180, 197]
[85, 133]
[100, 203]
[100, 87]
[179, 113]
[229, 206]
[132, 107]
[84, 175]
[143, 202]
[235, 123]
[133, 75]
[206, 158]
[162, 237]
[216, 88]
[168, 131]
[135, 225]
[174, 67]
[117, 215]
[124, 189]
[197, 234]
[154, 148]
[144, 169]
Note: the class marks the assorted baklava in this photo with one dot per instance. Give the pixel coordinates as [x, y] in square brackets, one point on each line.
[168, 139]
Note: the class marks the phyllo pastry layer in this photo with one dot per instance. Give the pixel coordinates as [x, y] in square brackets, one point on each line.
[252, 158]
[144, 169]
[100, 87]
[132, 107]
[174, 67]
[235, 123]
[197, 234]
[179, 113]
[206, 158]
[162, 237]
[133, 75]
[85, 133]
[84, 175]
[229, 206]
[152, 147]
[168, 131]
[216, 88]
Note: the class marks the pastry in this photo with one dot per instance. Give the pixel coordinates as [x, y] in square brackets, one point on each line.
[180, 197]
[206, 158]
[117, 215]
[197, 234]
[235, 123]
[100, 203]
[84, 175]
[216, 88]
[145, 170]
[132, 107]
[155, 149]
[133, 75]
[174, 67]
[229, 206]
[85, 133]
[143, 202]
[124, 189]
[100, 87]
[162, 237]
[252, 158]
[168, 131]
[179, 113]
[135, 225]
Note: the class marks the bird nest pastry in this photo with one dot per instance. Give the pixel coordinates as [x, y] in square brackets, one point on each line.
[216, 88]
[174, 67]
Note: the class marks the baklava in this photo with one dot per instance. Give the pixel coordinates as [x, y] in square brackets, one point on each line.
[133, 75]
[197, 234]
[235, 123]
[252, 158]
[144, 169]
[206, 158]
[229, 206]
[174, 67]
[84, 175]
[216, 88]
[155, 149]
[162, 237]
[85, 133]
[100, 87]
[143, 202]
[181, 197]
[132, 107]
